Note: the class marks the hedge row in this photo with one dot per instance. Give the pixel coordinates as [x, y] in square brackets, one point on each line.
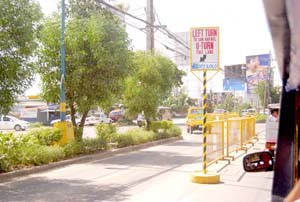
[38, 146]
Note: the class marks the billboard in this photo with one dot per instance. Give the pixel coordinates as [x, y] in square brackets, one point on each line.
[257, 70]
[204, 48]
[237, 71]
[233, 85]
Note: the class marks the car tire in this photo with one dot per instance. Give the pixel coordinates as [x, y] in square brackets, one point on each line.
[17, 128]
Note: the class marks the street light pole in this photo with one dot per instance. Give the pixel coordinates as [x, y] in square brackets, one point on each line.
[63, 69]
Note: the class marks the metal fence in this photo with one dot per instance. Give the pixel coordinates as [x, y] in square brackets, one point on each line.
[226, 136]
[215, 141]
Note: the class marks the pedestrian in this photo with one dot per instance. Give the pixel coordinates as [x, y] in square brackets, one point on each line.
[274, 115]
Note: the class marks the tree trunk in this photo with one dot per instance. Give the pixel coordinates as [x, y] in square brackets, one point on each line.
[148, 124]
[79, 129]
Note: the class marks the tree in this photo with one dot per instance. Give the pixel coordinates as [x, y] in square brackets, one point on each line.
[98, 59]
[179, 103]
[261, 92]
[150, 84]
[18, 30]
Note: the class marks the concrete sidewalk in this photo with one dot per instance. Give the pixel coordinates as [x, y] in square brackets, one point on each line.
[238, 185]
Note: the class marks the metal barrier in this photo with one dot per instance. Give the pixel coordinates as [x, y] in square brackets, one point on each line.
[250, 129]
[213, 116]
[232, 115]
[240, 131]
[226, 136]
[233, 135]
[215, 141]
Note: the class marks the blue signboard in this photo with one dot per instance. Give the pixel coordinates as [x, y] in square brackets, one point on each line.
[233, 85]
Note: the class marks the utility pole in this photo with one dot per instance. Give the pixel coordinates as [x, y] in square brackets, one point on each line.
[150, 29]
[63, 69]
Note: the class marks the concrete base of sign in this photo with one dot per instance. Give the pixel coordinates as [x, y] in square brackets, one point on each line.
[205, 178]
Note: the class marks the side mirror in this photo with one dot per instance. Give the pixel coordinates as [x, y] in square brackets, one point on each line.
[260, 161]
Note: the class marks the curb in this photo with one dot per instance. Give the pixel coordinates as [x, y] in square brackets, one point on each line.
[81, 159]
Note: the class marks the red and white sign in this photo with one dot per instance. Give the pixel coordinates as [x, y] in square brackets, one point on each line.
[204, 50]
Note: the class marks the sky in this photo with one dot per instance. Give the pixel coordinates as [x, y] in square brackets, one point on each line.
[243, 27]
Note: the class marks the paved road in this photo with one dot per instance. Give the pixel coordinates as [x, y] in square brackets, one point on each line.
[159, 173]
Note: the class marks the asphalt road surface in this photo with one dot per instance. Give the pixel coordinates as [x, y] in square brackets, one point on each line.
[160, 173]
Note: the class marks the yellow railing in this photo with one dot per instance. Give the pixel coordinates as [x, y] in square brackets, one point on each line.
[229, 135]
[215, 141]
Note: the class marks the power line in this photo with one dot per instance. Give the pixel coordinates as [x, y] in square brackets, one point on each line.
[162, 43]
[161, 28]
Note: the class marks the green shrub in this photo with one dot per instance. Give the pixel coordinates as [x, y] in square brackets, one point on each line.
[46, 136]
[90, 145]
[23, 150]
[41, 154]
[134, 137]
[105, 133]
[157, 126]
[261, 118]
[173, 131]
[72, 149]
[35, 125]
[86, 146]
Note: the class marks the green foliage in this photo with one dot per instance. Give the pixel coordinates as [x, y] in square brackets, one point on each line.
[41, 154]
[261, 118]
[105, 133]
[90, 145]
[157, 126]
[153, 79]
[261, 92]
[72, 149]
[134, 137]
[98, 59]
[35, 125]
[179, 103]
[173, 131]
[46, 136]
[24, 150]
[275, 94]
[18, 25]
[160, 130]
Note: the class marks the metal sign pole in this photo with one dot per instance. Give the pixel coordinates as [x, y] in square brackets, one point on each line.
[204, 96]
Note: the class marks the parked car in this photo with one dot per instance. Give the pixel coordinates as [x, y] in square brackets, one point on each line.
[116, 115]
[140, 120]
[12, 123]
[91, 120]
[68, 118]
[104, 119]
[248, 112]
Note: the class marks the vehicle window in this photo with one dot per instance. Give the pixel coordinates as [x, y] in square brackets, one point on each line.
[6, 119]
[197, 111]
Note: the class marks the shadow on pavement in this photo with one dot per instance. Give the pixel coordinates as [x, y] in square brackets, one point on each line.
[43, 189]
[153, 158]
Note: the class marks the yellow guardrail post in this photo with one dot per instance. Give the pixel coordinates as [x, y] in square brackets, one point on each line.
[223, 138]
[227, 142]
